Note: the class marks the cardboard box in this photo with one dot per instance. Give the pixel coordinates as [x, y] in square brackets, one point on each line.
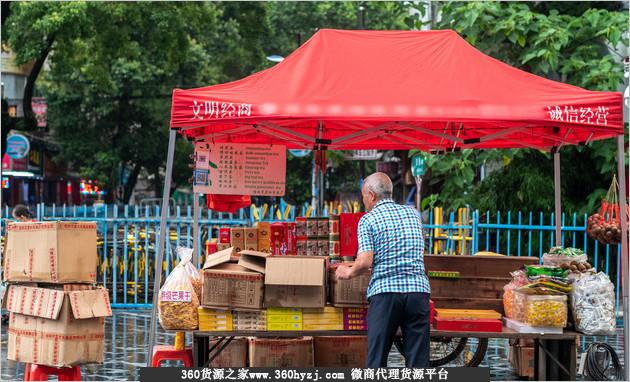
[229, 285]
[251, 238]
[214, 320]
[222, 246]
[281, 326]
[348, 225]
[51, 252]
[278, 239]
[284, 318]
[254, 260]
[348, 293]
[522, 360]
[335, 326]
[283, 311]
[57, 326]
[266, 352]
[263, 236]
[355, 318]
[234, 355]
[237, 238]
[295, 282]
[347, 351]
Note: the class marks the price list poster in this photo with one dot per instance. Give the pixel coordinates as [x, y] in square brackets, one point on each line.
[240, 169]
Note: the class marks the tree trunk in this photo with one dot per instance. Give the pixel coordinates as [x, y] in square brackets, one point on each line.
[6, 11]
[110, 196]
[157, 182]
[30, 123]
[131, 183]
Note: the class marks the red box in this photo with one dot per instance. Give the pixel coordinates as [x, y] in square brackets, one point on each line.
[355, 318]
[469, 325]
[291, 234]
[278, 239]
[211, 248]
[348, 224]
[224, 235]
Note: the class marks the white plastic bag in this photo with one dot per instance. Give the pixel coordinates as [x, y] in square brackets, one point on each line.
[185, 259]
[593, 304]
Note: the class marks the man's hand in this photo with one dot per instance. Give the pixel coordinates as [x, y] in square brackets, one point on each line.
[343, 272]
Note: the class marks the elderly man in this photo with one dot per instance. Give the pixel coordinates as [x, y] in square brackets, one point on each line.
[392, 244]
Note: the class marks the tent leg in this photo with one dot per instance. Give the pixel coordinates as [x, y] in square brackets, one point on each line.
[196, 247]
[621, 174]
[558, 203]
[161, 240]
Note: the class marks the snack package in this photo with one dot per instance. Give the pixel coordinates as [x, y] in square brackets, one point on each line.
[593, 304]
[178, 302]
[558, 256]
[546, 310]
[519, 279]
[538, 270]
[185, 258]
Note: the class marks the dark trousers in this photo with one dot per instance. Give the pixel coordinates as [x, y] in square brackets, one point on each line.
[389, 311]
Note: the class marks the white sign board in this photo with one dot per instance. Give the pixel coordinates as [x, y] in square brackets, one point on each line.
[239, 169]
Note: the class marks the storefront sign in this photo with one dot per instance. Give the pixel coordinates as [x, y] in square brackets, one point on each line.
[17, 146]
[417, 165]
[240, 169]
[365, 155]
[40, 107]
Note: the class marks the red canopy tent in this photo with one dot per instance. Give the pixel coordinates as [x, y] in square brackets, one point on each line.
[386, 90]
[396, 90]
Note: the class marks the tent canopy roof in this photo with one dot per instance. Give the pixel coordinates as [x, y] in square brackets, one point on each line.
[426, 90]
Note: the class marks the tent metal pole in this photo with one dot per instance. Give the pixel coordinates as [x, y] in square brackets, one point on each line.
[161, 240]
[623, 218]
[196, 254]
[557, 201]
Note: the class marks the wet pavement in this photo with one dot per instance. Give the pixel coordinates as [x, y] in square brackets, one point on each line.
[127, 334]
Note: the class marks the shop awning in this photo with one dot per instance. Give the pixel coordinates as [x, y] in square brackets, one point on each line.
[426, 90]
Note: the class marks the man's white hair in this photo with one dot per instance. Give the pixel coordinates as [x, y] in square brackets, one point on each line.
[380, 184]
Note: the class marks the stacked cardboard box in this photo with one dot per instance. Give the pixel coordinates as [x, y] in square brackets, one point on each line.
[265, 352]
[295, 282]
[234, 355]
[348, 293]
[57, 318]
[284, 319]
[346, 351]
[522, 357]
[328, 318]
[256, 321]
[215, 320]
[355, 319]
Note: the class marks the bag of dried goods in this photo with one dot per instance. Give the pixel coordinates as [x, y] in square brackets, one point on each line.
[185, 258]
[178, 302]
[518, 280]
[557, 256]
[593, 304]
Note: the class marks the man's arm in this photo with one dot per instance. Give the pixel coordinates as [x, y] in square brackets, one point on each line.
[362, 264]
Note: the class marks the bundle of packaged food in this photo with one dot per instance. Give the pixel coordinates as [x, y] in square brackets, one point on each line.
[593, 304]
[178, 301]
[519, 279]
[540, 309]
[185, 259]
[557, 256]
[547, 280]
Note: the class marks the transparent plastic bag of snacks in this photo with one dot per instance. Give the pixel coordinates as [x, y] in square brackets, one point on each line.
[546, 311]
[555, 260]
[178, 302]
[593, 304]
[184, 255]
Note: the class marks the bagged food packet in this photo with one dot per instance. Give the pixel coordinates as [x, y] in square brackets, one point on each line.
[178, 302]
[538, 270]
[519, 278]
[593, 304]
[185, 259]
[558, 256]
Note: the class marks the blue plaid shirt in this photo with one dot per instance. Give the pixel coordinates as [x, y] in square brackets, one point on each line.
[394, 233]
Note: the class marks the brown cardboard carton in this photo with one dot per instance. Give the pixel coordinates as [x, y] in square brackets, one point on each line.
[51, 252]
[57, 326]
[254, 260]
[229, 285]
[266, 352]
[263, 236]
[234, 355]
[295, 282]
[251, 238]
[348, 293]
[526, 361]
[347, 351]
[223, 256]
[237, 238]
[223, 246]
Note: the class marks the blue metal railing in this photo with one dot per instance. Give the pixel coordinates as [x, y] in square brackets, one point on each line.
[128, 237]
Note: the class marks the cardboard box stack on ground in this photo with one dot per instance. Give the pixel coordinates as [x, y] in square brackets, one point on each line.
[215, 320]
[227, 285]
[284, 319]
[348, 293]
[266, 352]
[234, 355]
[55, 320]
[346, 351]
[328, 318]
[295, 282]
